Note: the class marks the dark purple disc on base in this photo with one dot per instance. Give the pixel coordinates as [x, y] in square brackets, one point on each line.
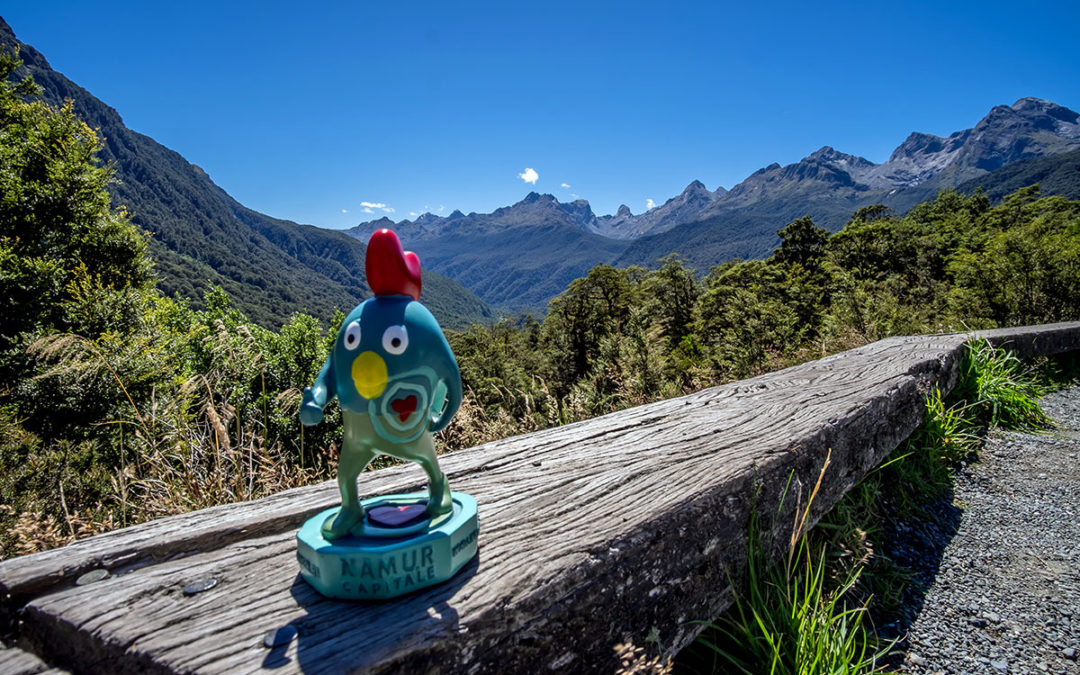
[396, 516]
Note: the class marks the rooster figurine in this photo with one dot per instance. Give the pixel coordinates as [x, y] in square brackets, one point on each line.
[396, 378]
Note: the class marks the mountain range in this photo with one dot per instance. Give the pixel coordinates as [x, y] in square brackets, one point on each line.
[201, 236]
[520, 256]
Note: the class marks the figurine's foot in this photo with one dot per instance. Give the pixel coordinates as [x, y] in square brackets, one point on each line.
[338, 525]
[439, 501]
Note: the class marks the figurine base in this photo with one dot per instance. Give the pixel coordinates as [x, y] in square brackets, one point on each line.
[400, 550]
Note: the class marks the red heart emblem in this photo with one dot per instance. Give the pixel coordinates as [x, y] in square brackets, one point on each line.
[404, 406]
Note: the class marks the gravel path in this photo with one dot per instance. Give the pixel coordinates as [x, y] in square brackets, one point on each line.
[998, 571]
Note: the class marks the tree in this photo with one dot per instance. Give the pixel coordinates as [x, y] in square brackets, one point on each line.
[801, 243]
[68, 262]
[75, 279]
[868, 214]
[590, 309]
[744, 317]
[801, 256]
[672, 292]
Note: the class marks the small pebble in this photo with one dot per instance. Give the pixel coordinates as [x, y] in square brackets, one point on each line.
[199, 586]
[92, 576]
[1069, 653]
[279, 637]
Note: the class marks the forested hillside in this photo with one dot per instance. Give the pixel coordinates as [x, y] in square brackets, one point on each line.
[620, 337]
[119, 404]
[1056, 175]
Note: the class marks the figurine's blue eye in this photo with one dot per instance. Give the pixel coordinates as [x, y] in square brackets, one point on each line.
[352, 336]
[395, 340]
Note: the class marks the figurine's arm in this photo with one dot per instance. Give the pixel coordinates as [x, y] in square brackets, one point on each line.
[316, 396]
[451, 382]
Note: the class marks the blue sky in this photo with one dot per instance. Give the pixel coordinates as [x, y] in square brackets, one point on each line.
[318, 113]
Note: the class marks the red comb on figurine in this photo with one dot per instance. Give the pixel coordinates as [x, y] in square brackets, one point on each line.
[391, 270]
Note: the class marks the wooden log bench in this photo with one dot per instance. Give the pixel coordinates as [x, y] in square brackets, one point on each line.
[623, 528]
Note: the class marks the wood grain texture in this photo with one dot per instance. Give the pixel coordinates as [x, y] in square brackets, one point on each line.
[14, 661]
[624, 527]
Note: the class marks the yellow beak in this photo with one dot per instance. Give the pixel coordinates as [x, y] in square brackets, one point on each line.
[369, 374]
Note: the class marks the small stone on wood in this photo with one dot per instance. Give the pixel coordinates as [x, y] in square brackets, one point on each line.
[92, 576]
[280, 637]
[199, 586]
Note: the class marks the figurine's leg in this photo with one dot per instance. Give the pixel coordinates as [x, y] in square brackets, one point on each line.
[422, 451]
[356, 454]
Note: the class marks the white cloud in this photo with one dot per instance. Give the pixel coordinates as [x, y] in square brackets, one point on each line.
[344, 210]
[566, 186]
[529, 175]
[649, 205]
[368, 206]
[413, 214]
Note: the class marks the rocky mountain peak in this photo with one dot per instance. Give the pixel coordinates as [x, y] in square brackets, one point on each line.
[829, 155]
[1031, 106]
[917, 143]
[920, 157]
[696, 187]
[579, 212]
[841, 163]
[623, 212]
[1029, 128]
[538, 198]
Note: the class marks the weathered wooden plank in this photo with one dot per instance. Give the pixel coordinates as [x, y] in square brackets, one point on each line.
[614, 529]
[1029, 341]
[179, 535]
[14, 661]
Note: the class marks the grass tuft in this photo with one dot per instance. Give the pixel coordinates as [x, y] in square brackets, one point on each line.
[793, 617]
[1000, 389]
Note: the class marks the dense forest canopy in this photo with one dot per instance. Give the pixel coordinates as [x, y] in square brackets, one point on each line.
[118, 404]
